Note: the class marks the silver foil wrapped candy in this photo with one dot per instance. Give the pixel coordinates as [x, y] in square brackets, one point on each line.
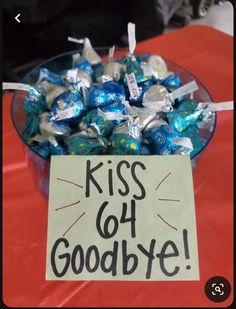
[89, 53]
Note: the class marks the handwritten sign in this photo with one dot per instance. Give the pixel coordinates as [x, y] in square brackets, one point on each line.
[121, 218]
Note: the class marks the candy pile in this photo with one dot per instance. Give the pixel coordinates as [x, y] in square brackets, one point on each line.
[130, 106]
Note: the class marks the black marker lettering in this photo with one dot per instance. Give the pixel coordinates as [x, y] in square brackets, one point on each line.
[121, 178]
[65, 256]
[143, 193]
[110, 182]
[78, 270]
[149, 254]
[113, 254]
[162, 256]
[88, 258]
[127, 258]
[90, 178]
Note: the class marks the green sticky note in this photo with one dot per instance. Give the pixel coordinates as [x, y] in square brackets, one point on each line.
[121, 218]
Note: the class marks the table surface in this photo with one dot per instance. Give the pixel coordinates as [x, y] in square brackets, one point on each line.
[206, 53]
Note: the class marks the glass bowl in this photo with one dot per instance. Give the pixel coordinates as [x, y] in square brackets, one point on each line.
[40, 166]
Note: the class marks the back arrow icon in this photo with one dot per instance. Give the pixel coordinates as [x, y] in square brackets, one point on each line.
[16, 18]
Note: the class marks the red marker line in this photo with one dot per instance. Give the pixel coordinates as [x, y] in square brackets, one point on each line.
[75, 184]
[67, 205]
[167, 199]
[163, 180]
[167, 223]
[73, 224]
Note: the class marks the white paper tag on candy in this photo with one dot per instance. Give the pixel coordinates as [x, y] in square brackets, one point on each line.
[216, 107]
[131, 37]
[67, 113]
[111, 53]
[121, 218]
[132, 85]
[15, 86]
[183, 90]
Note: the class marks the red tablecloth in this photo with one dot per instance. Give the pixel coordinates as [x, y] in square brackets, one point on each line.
[208, 54]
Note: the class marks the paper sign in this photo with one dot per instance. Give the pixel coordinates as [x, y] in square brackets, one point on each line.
[121, 218]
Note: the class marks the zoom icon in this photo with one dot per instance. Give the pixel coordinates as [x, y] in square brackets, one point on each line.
[217, 289]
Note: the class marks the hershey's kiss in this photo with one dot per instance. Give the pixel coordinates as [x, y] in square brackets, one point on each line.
[114, 70]
[89, 53]
[157, 67]
[155, 93]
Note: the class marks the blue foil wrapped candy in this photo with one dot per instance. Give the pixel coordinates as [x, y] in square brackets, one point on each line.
[98, 71]
[68, 106]
[143, 87]
[114, 87]
[50, 77]
[55, 148]
[82, 144]
[31, 126]
[124, 144]
[47, 146]
[146, 149]
[161, 139]
[98, 125]
[100, 96]
[83, 65]
[198, 141]
[34, 102]
[125, 138]
[172, 80]
[132, 66]
[186, 114]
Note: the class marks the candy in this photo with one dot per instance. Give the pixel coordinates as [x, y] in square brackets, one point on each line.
[156, 122]
[81, 144]
[52, 128]
[68, 106]
[172, 80]
[125, 138]
[182, 145]
[83, 65]
[77, 78]
[198, 141]
[146, 149]
[114, 87]
[55, 148]
[98, 71]
[113, 70]
[34, 102]
[161, 139]
[100, 96]
[128, 107]
[124, 144]
[50, 77]
[47, 146]
[31, 126]
[144, 116]
[96, 125]
[53, 94]
[157, 67]
[142, 87]
[89, 53]
[185, 115]
[132, 66]
[129, 127]
[155, 93]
